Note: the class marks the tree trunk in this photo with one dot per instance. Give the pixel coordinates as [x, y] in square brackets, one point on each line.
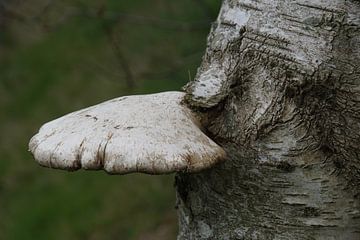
[279, 89]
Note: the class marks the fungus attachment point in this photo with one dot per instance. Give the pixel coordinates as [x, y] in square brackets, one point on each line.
[153, 134]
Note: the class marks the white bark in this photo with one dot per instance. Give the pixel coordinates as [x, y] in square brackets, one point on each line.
[286, 109]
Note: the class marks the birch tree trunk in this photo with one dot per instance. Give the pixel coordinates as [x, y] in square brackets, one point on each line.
[279, 89]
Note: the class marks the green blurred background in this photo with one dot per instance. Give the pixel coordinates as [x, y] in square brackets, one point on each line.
[60, 56]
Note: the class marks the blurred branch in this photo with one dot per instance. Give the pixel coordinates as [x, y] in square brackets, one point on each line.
[115, 44]
[85, 11]
[7, 13]
[115, 16]
[171, 24]
[10, 12]
[178, 66]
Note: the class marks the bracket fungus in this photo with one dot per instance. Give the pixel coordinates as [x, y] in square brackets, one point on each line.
[153, 134]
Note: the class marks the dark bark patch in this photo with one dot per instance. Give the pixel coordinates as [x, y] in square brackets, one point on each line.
[339, 162]
[311, 212]
[285, 166]
[327, 150]
[183, 186]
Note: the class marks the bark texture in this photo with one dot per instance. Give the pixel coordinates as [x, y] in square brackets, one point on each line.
[279, 89]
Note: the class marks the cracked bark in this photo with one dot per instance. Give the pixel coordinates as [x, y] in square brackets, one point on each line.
[279, 89]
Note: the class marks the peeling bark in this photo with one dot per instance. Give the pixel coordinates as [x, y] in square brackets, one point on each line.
[279, 88]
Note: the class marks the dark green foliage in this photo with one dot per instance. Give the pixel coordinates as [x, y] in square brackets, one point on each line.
[60, 56]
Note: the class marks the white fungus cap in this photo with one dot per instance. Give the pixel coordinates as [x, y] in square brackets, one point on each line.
[143, 133]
